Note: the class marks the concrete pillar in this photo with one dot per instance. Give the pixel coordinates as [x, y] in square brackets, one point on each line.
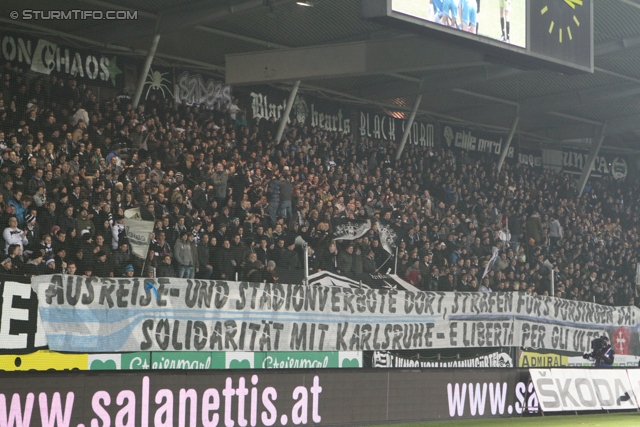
[409, 125]
[145, 70]
[287, 110]
[507, 143]
[593, 152]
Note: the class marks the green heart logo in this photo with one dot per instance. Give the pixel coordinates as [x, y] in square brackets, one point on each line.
[106, 365]
[239, 364]
[350, 363]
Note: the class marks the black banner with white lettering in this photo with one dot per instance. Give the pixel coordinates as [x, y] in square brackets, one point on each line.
[388, 128]
[263, 103]
[478, 143]
[425, 359]
[605, 164]
[41, 55]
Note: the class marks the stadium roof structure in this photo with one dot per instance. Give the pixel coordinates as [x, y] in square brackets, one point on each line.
[457, 85]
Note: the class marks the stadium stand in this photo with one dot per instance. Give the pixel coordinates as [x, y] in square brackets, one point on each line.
[229, 202]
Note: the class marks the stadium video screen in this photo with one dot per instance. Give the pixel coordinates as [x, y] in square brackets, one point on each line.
[555, 34]
[501, 20]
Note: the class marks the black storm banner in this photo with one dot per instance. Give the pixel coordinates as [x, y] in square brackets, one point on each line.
[389, 128]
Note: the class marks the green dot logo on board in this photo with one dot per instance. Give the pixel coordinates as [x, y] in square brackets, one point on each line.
[105, 362]
[239, 364]
[240, 360]
[350, 363]
[100, 365]
[350, 359]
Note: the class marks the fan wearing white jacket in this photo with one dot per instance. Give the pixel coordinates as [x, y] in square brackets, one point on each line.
[14, 236]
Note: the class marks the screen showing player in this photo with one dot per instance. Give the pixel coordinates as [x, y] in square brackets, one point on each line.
[502, 20]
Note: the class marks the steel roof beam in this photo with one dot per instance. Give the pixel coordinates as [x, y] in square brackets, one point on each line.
[557, 101]
[399, 89]
[223, 33]
[171, 19]
[123, 49]
[349, 59]
[569, 132]
[185, 16]
[452, 78]
[615, 126]
[615, 46]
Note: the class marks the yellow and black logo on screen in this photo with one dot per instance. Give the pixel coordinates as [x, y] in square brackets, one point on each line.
[541, 360]
[562, 30]
[44, 360]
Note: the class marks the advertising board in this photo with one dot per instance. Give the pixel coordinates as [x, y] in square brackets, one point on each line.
[560, 390]
[46, 360]
[260, 398]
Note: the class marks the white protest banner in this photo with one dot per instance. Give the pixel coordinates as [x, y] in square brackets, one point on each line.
[583, 389]
[534, 334]
[138, 232]
[113, 315]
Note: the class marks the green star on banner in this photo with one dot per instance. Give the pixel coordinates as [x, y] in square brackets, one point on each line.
[113, 70]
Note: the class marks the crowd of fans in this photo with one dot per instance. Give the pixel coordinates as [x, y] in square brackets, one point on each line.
[230, 202]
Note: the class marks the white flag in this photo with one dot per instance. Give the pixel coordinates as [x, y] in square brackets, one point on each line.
[491, 262]
[349, 229]
[138, 232]
[144, 145]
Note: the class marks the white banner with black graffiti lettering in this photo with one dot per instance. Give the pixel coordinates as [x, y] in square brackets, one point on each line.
[112, 315]
[585, 389]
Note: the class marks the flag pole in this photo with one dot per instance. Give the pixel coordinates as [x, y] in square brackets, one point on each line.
[395, 270]
[306, 263]
[385, 261]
